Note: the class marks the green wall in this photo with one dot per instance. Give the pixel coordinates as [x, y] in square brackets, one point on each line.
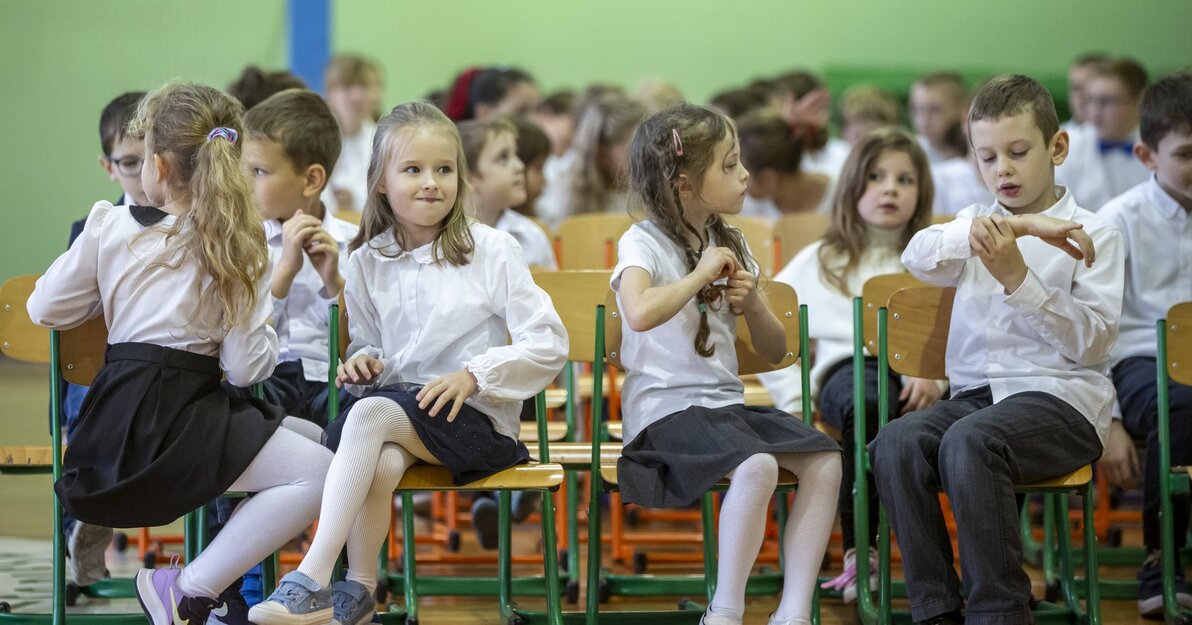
[61, 61]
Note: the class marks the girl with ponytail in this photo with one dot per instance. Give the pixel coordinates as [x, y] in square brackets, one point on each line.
[184, 290]
[683, 277]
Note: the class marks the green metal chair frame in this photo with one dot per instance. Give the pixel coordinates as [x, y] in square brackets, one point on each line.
[1173, 363]
[881, 611]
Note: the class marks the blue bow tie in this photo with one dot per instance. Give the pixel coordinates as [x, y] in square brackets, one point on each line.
[1110, 146]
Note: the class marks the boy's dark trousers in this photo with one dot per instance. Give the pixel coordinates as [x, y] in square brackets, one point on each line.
[976, 451]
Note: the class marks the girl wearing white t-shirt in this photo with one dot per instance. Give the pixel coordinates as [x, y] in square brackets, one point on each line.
[683, 277]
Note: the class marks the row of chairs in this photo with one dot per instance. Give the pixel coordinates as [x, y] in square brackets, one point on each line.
[923, 328]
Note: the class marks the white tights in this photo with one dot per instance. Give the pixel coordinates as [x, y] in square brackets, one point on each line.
[287, 476]
[378, 445]
[743, 522]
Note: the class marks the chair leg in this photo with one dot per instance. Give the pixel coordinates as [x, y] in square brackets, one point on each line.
[408, 557]
[1093, 592]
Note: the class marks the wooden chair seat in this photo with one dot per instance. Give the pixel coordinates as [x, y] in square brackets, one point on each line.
[615, 430]
[26, 456]
[757, 395]
[609, 473]
[533, 476]
[555, 398]
[830, 431]
[1075, 479]
[578, 455]
[555, 431]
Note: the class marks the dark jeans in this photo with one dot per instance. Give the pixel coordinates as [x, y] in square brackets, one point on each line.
[1138, 397]
[835, 404]
[976, 451]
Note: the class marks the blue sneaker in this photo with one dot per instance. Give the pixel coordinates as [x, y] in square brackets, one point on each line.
[298, 600]
[354, 603]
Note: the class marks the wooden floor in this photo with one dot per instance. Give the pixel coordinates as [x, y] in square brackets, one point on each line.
[25, 525]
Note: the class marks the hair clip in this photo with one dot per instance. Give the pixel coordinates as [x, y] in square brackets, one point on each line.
[678, 142]
[227, 133]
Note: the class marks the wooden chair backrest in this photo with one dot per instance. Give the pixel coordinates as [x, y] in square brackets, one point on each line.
[20, 338]
[590, 241]
[352, 217]
[783, 301]
[759, 235]
[1179, 343]
[576, 294]
[344, 339]
[917, 331]
[81, 351]
[937, 219]
[874, 294]
[796, 231]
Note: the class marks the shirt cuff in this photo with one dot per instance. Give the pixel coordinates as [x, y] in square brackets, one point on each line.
[1028, 298]
[484, 373]
[954, 243]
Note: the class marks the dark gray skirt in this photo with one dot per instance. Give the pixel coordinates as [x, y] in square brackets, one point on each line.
[470, 447]
[676, 459]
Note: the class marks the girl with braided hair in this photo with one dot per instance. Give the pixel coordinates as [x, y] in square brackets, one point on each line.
[683, 277]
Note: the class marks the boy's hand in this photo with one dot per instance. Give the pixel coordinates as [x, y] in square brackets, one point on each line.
[741, 293]
[294, 234]
[917, 394]
[454, 387]
[1058, 232]
[716, 263]
[1120, 460]
[323, 252]
[359, 370]
[993, 239]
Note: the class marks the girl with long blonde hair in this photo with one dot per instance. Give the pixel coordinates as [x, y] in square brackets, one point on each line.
[185, 293]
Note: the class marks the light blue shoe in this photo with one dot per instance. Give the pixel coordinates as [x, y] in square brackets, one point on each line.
[298, 600]
[354, 603]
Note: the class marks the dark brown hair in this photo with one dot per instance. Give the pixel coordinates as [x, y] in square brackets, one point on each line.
[302, 123]
[1011, 94]
[113, 121]
[847, 235]
[475, 134]
[768, 142]
[654, 169]
[1166, 107]
[255, 85]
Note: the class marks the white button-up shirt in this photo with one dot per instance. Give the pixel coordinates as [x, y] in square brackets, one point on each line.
[1158, 235]
[115, 269]
[1053, 334]
[301, 317]
[663, 373]
[957, 184]
[1094, 177]
[535, 244]
[427, 319]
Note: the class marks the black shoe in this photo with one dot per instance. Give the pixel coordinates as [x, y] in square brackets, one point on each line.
[230, 608]
[525, 503]
[955, 617]
[485, 520]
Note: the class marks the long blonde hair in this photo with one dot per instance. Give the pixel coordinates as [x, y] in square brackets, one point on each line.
[454, 241]
[655, 163]
[847, 235]
[222, 231]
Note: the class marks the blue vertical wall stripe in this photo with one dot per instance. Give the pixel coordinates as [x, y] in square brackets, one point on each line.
[310, 40]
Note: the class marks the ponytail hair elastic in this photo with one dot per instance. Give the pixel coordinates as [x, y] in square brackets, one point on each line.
[227, 133]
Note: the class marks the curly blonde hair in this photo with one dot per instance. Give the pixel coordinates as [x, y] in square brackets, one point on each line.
[222, 231]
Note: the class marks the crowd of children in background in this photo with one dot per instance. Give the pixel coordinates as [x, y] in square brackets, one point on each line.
[1074, 238]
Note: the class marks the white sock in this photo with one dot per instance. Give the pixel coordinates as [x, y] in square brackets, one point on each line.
[742, 529]
[287, 476]
[807, 529]
[373, 421]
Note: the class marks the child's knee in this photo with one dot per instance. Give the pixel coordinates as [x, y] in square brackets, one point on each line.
[369, 415]
[893, 442]
[962, 446]
[760, 469]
